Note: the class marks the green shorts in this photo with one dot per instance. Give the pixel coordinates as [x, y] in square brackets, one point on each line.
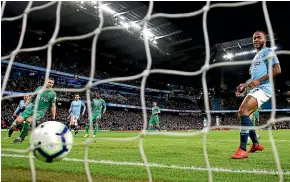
[154, 120]
[29, 112]
[96, 116]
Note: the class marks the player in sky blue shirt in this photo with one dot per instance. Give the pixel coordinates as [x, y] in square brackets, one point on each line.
[260, 92]
[14, 125]
[75, 112]
[259, 68]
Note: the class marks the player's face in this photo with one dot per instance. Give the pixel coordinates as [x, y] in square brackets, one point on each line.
[77, 97]
[50, 84]
[98, 95]
[259, 40]
[25, 98]
[154, 104]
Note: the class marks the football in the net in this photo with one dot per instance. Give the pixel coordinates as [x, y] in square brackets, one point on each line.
[52, 141]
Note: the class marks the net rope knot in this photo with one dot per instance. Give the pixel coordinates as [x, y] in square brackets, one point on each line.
[146, 73]
[206, 8]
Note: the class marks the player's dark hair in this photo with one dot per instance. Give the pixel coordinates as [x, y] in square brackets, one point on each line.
[261, 31]
[51, 78]
[77, 94]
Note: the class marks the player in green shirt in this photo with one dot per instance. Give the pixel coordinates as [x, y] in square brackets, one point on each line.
[154, 120]
[98, 109]
[47, 100]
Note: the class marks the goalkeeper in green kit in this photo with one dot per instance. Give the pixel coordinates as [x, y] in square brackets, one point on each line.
[98, 109]
[47, 100]
[154, 120]
[255, 116]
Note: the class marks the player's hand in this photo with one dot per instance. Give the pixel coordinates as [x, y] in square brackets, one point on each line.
[237, 94]
[254, 83]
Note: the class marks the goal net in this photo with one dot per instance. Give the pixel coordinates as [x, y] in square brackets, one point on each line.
[143, 75]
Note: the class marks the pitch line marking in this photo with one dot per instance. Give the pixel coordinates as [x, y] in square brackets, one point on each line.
[253, 171]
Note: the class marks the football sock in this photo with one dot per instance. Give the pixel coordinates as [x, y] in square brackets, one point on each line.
[24, 130]
[96, 129]
[76, 130]
[244, 134]
[159, 128]
[254, 137]
[87, 128]
[150, 128]
[11, 130]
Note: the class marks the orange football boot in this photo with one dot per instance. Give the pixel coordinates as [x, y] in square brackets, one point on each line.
[240, 154]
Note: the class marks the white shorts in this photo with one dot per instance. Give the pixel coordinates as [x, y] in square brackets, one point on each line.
[259, 95]
[74, 119]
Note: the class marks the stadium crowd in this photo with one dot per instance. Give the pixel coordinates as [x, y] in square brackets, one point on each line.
[116, 119]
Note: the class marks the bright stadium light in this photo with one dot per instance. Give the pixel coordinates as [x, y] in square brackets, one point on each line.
[107, 9]
[274, 48]
[154, 42]
[135, 25]
[124, 24]
[148, 34]
[94, 2]
[228, 56]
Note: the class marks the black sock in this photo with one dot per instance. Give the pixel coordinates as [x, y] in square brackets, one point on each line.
[71, 127]
[76, 130]
[11, 130]
[254, 137]
[244, 134]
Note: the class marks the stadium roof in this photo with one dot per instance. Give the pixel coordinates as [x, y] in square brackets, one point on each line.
[81, 17]
[181, 38]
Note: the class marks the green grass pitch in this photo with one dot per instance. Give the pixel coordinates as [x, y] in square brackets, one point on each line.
[170, 158]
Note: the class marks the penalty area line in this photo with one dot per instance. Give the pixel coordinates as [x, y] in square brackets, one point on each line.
[194, 168]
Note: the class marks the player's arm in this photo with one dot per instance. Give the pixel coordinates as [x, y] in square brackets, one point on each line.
[158, 111]
[276, 70]
[29, 100]
[53, 107]
[104, 108]
[84, 108]
[17, 109]
[70, 108]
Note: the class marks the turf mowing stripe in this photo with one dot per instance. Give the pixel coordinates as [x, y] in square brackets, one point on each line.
[255, 171]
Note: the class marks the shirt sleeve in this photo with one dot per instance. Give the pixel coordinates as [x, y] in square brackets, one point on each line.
[104, 107]
[18, 107]
[84, 106]
[273, 57]
[53, 99]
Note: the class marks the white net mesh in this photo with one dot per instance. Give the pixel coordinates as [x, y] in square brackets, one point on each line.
[205, 68]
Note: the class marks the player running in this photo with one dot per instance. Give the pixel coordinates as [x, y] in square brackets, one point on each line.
[98, 109]
[154, 120]
[260, 92]
[14, 125]
[75, 112]
[47, 99]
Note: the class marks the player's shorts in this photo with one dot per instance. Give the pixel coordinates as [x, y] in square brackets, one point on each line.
[96, 116]
[154, 120]
[74, 117]
[29, 112]
[259, 95]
